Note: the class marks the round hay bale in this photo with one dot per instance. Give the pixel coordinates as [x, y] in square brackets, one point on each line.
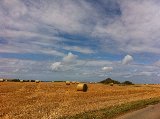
[67, 82]
[111, 84]
[73, 82]
[21, 81]
[82, 87]
[77, 82]
[37, 81]
[1, 80]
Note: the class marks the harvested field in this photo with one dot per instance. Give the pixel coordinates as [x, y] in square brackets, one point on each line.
[30, 100]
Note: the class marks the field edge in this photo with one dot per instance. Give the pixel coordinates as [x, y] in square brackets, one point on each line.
[115, 111]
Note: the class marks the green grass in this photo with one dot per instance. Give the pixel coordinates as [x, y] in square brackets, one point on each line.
[114, 111]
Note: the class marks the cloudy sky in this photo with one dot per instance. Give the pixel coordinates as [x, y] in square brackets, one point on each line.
[85, 40]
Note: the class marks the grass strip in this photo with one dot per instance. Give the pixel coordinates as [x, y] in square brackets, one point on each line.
[114, 111]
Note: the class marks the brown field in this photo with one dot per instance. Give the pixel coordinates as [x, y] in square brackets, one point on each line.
[30, 100]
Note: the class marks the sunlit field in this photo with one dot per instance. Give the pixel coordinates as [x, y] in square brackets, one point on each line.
[30, 100]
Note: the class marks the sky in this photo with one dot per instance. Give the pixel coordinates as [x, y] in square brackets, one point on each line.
[83, 40]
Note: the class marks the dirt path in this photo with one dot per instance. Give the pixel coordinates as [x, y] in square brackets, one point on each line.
[150, 112]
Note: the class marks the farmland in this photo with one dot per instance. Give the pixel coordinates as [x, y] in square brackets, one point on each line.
[30, 100]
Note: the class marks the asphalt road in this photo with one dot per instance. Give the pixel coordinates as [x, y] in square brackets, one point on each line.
[150, 112]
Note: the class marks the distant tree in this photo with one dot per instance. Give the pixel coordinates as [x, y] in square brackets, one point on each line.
[15, 80]
[59, 81]
[127, 83]
[26, 80]
[109, 81]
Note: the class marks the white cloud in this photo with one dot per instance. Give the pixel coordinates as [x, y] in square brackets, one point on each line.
[15, 7]
[107, 69]
[158, 75]
[98, 63]
[145, 73]
[31, 47]
[18, 66]
[71, 19]
[70, 58]
[157, 63]
[56, 66]
[135, 30]
[127, 59]
[21, 34]
[68, 62]
[79, 49]
[51, 52]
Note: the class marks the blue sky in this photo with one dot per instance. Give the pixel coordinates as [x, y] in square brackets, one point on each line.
[81, 40]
